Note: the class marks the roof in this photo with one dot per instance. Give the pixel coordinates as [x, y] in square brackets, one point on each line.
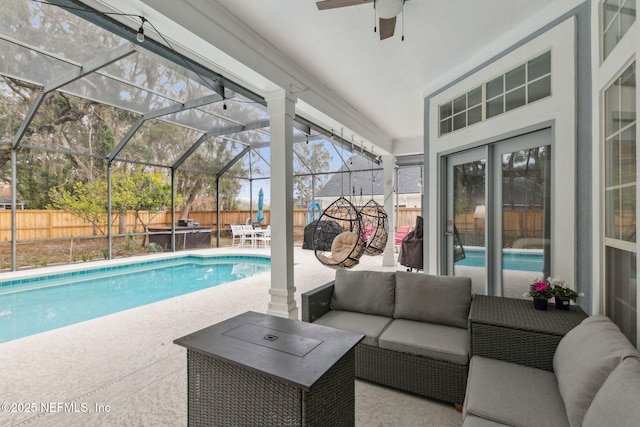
[366, 178]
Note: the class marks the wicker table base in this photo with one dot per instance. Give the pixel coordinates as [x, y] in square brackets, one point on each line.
[241, 382]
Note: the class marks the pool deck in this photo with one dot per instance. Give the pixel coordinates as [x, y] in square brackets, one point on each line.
[124, 370]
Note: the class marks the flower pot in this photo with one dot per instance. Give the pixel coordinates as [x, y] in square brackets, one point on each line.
[540, 303]
[562, 304]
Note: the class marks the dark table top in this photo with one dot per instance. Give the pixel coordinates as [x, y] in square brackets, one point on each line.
[290, 351]
[520, 314]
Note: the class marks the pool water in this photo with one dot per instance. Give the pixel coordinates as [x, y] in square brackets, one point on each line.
[516, 259]
[43, 303]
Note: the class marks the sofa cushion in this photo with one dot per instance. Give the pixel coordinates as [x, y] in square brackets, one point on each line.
[368, 324]
[471, 421]
[513, 394]
[616, 403]
[370, 292]
[427, 339]
[585, 357]
[444, 300]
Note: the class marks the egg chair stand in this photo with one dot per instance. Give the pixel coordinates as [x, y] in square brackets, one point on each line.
[346, 247]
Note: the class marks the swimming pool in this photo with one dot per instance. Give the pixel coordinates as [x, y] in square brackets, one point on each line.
[512, 259]
[37, 304]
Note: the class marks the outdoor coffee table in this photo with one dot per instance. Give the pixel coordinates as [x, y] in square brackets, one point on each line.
[257, 369]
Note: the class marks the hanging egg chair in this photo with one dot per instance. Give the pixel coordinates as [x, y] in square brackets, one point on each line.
[375, 227]
[337, 236]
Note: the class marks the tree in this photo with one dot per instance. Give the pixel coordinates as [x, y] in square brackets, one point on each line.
[78, 127]
[140, 191]
[84, 200]
[311, 159]
[131, 190]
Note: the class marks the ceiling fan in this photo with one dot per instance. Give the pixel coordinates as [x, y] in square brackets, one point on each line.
[387, 11]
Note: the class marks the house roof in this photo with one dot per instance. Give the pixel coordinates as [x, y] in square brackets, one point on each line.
[361, 177]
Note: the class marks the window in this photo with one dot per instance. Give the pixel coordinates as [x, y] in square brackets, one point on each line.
[522, 85]
[461, 112]
[617, 17]
[620, 201]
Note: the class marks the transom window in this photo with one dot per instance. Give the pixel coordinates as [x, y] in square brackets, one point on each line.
[461, 112]
[520, 86]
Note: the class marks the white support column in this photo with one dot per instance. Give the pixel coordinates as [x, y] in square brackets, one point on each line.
[281, 108]
[388, 164]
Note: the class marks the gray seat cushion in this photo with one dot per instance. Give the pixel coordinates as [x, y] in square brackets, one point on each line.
[370, 325]
[585, 357]
[513, 394]
[427, 339]
[617, 403]
[444, 300]
[471, 421]
[370, 292]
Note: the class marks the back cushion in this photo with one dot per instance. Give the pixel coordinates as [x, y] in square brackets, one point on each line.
[584, 359]
[616, 403]
[370, 292]
[444, 300]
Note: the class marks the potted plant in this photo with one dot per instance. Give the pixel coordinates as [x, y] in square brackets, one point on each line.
[540, 291]
[563, 294]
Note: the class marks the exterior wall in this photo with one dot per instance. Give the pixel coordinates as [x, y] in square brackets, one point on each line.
[563, 33]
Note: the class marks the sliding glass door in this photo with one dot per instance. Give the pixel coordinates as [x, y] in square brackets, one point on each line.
[465, 230]
[498, 216]
[523, 231]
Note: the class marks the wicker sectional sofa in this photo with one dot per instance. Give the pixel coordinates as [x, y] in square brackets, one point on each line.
[595, 382]
[415, 327]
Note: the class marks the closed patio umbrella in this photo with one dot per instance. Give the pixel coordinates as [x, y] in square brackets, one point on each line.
[260, 215]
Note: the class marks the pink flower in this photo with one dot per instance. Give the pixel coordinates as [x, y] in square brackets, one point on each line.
[540, 286]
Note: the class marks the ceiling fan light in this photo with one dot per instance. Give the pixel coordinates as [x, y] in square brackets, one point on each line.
[387, 9]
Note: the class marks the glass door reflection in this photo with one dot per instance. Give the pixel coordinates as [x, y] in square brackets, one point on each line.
[465, 227]
[526, 218]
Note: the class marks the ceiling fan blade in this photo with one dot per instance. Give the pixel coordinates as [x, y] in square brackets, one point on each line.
[333, 4]
[387, 27]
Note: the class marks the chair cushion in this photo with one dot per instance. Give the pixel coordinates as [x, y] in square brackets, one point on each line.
[368, 324]
[513, 394]
[427, 339]
[616, 403]
[371, 292]
[444, 300]
[585, 357]
[343, 245]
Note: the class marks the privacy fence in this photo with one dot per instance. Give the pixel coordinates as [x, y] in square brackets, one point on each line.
[52, 224]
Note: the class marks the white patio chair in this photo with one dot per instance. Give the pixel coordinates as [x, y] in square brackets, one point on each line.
[265, 237]
[237, 233]
[247, 230]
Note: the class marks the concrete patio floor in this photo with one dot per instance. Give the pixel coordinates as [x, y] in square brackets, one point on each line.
[124, 370]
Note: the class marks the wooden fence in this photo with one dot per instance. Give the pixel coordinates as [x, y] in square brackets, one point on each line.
[51, 224]
[517, 224]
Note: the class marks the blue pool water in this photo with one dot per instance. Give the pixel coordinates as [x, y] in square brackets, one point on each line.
[30, 306]
[520, 259]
